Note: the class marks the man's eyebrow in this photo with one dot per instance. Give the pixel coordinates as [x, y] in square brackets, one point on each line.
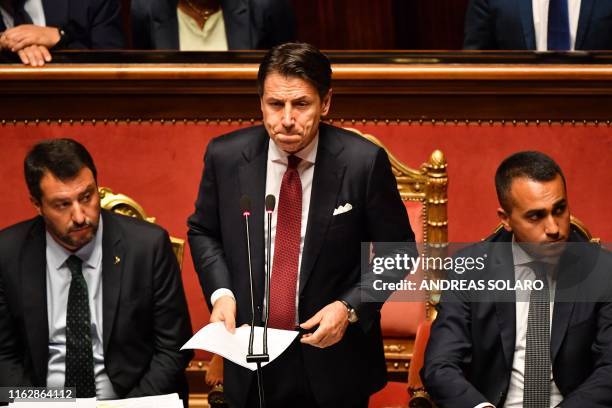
[536, 211]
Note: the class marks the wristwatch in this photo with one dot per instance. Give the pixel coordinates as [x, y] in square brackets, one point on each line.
[352, 313]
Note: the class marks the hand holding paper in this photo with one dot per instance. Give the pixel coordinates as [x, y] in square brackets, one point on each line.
[216, 339]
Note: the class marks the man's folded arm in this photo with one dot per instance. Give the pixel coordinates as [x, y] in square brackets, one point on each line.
[172, 327]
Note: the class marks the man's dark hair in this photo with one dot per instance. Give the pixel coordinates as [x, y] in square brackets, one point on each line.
[63, 158]
[299, 60]
[529, 164]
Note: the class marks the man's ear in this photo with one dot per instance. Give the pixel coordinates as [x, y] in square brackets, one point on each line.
[326, 103]
[504, 217]
[36, 205]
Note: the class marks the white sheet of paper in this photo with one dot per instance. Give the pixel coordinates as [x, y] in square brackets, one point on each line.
[216, 339]
[77, 403]
[157, 401]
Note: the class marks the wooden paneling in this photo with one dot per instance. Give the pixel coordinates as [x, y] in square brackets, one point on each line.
[379, 91]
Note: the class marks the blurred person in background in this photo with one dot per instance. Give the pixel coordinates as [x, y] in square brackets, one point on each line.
[211, 25]
[33, 28]
[542, 25]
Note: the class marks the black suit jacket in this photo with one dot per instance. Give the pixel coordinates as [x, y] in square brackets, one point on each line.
[471, 346]
[348, 169]
[508, 25]
[145, 318]
[90, 24]
[249, 24]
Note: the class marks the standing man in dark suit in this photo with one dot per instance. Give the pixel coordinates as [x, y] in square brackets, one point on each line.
[88, 299]
[548, 346]
[542, 25]
[335, 190]
[32, 28]
[211, 25]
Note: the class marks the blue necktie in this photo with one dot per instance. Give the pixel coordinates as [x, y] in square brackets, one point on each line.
[558, 26]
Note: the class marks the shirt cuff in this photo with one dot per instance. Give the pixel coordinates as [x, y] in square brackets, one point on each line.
[220, 292]
[485, 405]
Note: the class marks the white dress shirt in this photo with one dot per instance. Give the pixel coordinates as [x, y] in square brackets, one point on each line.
[276, 167]
[540, 22]
[524, 272]
[33, 7]
[211, 37]
[59, 278]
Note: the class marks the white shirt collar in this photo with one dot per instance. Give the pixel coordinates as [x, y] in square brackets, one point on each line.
[90, 253]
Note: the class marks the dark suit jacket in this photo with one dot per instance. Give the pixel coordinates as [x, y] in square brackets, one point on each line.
[249, 24]
[348, 169]
[90, 24]
[144, 310]
[508, 25]
[471, 346]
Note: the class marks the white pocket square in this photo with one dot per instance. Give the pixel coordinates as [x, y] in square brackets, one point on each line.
[343, 209]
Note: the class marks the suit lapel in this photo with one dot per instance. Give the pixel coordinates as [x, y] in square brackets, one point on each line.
[526, 12]
[113, 253]
[503, 269]
[236, 16]
[164, 25]
[586, 8]
[568, 280]
[34, 295]
[252, 178]
[327, 179]
[56, 12]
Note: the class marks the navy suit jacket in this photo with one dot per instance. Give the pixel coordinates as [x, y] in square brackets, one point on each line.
[469, 355]
[90, 24]
[508, 25]
[249, 24]
[145, 317]
[348, 169]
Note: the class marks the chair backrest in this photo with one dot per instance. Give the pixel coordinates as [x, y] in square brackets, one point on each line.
[124, 205]
[427, 187]
[424, 192]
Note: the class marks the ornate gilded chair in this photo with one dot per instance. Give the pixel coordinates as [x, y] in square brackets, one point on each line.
[124, 205]
[405, 325]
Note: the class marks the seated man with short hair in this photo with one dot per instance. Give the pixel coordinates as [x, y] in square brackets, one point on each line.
[88, 299]
[543, 347]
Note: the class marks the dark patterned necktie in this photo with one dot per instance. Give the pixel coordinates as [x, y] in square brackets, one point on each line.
[537, 350]
[558, 26]
[286, 249]
[79, 351]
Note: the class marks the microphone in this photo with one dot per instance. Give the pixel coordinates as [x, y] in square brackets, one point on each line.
[270, 204]
[245, 207]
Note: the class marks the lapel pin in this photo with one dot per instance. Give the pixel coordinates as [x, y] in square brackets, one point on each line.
[117, 260]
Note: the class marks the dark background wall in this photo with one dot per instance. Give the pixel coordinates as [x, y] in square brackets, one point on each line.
[374, 24]
[381, 24]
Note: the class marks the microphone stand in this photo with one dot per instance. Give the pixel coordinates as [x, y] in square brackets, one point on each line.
[245, 202]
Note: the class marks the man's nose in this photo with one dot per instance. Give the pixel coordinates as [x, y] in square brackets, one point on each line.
[552, 227]
[78, 215]
[287, 120]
